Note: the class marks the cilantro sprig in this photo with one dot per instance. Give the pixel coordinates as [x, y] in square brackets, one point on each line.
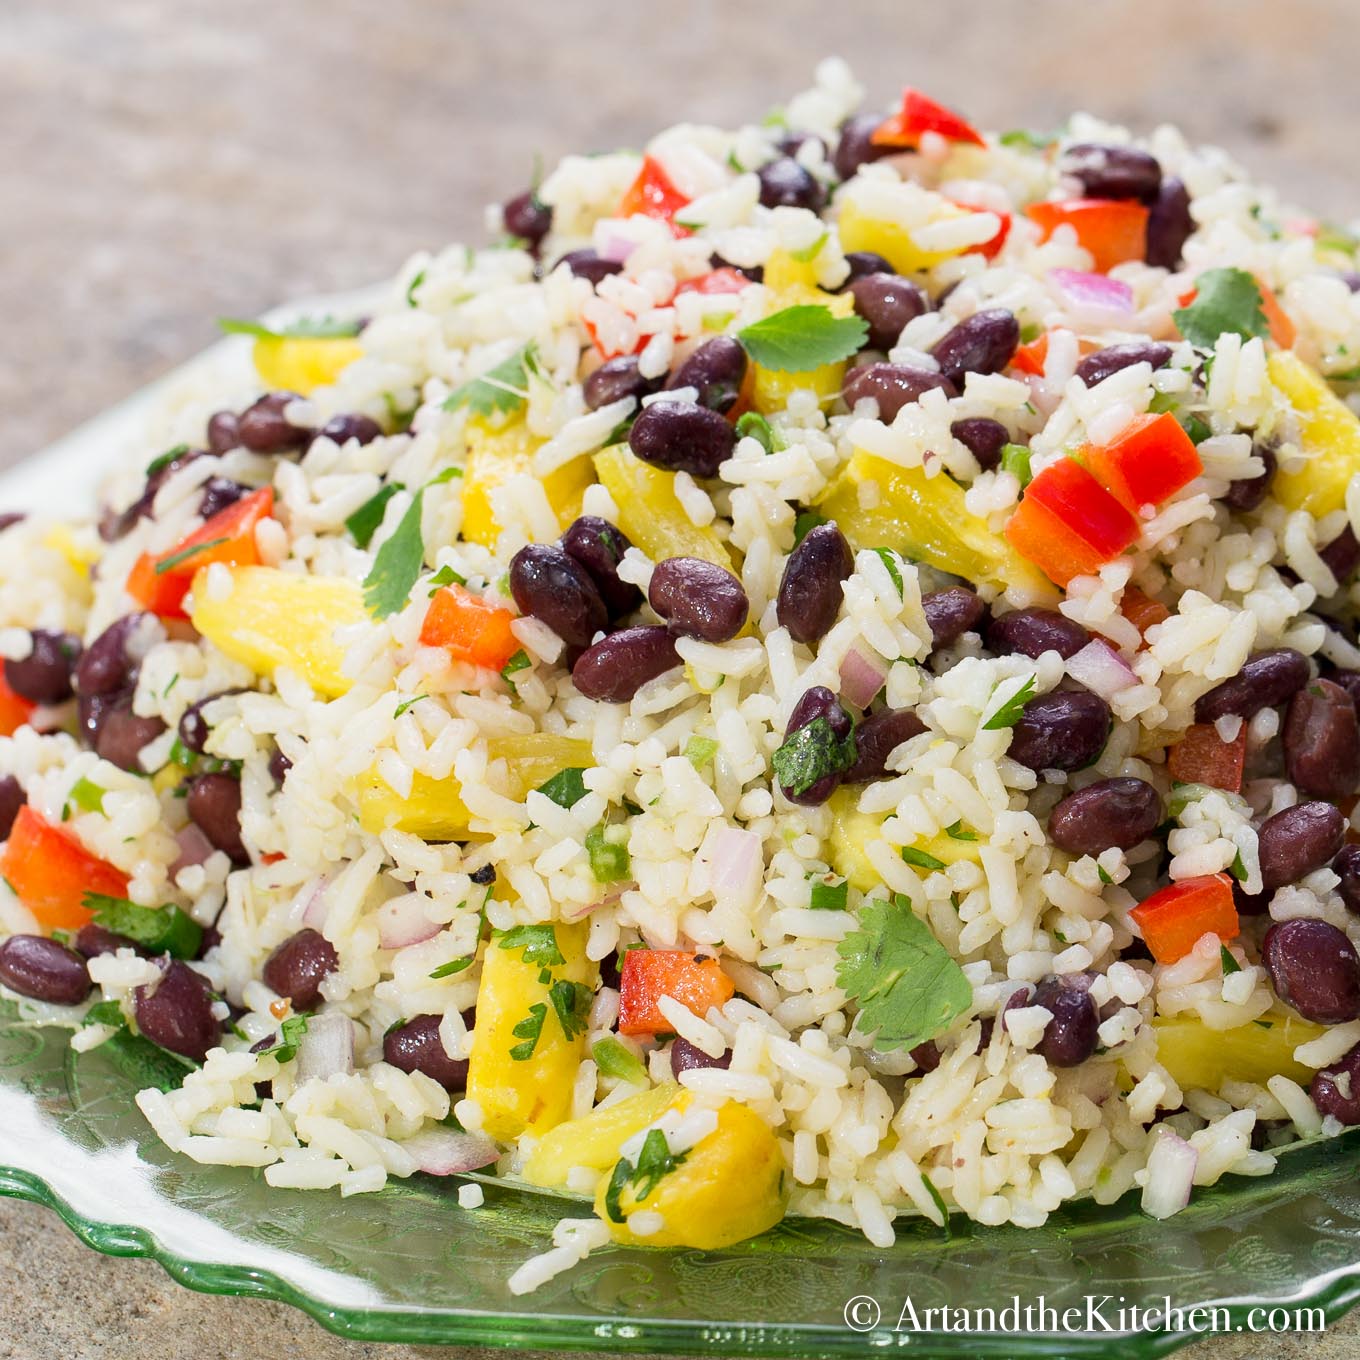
[655, 1160]
[907, 986]
[811, 753]
[304, 328]
[499, 391]
[162, 930]
[1226, 301]
[801, 338]
[1010, 712]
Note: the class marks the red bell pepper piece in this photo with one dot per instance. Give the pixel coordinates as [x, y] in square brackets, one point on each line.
[1142, 611]
[652, 194]
[989, 249]
[1068, 525]
[1201, 756]
[15, 711]
[469, 628]
[919, 115]
[51, 873]
[724, 280]
[161, 583]
[1031, 358]
[1175, 918]
[1111, 230]
[1150, 460]
[647, 975]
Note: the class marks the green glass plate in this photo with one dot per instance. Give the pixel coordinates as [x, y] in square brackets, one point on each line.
[408, 1264]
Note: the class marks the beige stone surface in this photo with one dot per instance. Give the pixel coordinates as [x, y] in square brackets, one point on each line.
[164, 162]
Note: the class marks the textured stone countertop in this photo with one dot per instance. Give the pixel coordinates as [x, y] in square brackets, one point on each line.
[169, 161]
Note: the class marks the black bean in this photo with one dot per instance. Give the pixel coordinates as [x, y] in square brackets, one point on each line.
[263, 428]
[12, 798]
[682, 436]
[1351, 278]
[983, 343]
[984, 438]
[614, 380]
[1342, 555]
[92, 940]
[117, 523]
[91, 711]
[279, 765]
[817, 703]
[1322, 741]
[1095, 368]
[1314, 968]
[1113, 171]
[855, 147]
[1063, 730]
[35, 966]
[9, 518]
[1346, 866]
[1070, 1037]
[297, 968]
[926, 1056]
[951, 613]
[1250, 904]
[1348, 680]
[1297, 840]
[528, 217]
[1111, 812]
[616, 667]
[417, 1047]
[214, 806]
[44, 675]
[1335, 1090]
[1169, 225]
[121, 734]
[556, 589]
[685, 1057]
[485, 876]
[106, 666]
[609, 971]
[698, 599]
[193, 726]
[887, 302]
[599, 547]
[1266, 680]
[791, 143]
[786, 184]
[876, 738]
[588, 264]
[217, 494]
[176, 1012]
[810, 588]
[716, 370]
[224, 432]
[1032, 632]
[754, 272]
[863, 263]
[1247, 493]
[352, 425]
[1021, 997]
[892, 386]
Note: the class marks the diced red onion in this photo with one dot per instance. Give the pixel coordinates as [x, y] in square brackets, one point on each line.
[861, 677]
[1101, 669]
[617, 248]
[611, 898]
[327, 1048]
[736, 865]
[194, 848]
[445, 1152]
[403, 921]
[1079, 289]
[1170, 1174]
[315, 912]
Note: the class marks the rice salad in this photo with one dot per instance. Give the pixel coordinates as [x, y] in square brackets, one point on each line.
[817, 676]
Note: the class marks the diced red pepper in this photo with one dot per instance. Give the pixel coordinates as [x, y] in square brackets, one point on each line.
[647, 975]
[15, 711]
[919, 115]
[51, 873]
[1150, 460]
[1112, 230]
[991, 248]
[723, 280]
[1068, 525]
[1142, 611]
[652, 194]
[1201, 756]
[606, 351]
[1174, 919]
[161, 583]
[1031, 358]
[469, 628]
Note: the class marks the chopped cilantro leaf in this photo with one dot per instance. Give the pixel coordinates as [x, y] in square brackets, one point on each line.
[163, 461]
[185, 554]
[811, 753]
[805, 523]
[1015, 459]
[1226, 301]
[893, 564]
[163, 930]
[907, 986]
[529, 1029]
[406, 704]
[501, 389]
[920, 859]
[956, 832]
[449, 969]
[699, 751]
[829, 896]
[364, 522]
[285, 1047]
[387, 587]
[571, 1004]
[615, 1059]
[445, 576]
[519, 662]
[1104, 877]
[1009, 712]
[1230, 964]
[304, 328]
[105, 1013]
[754, 425]
[801, 338]
[566, 788]
[87, 795]
[809, 253]
[655, 1160]
[538, 942]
